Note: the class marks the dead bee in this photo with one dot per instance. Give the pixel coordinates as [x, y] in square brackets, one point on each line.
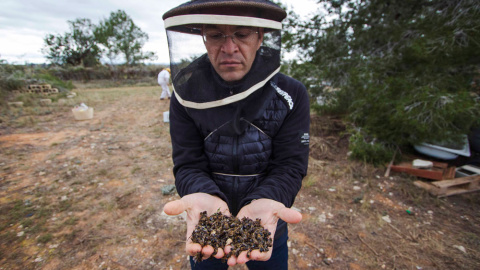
[219, 230]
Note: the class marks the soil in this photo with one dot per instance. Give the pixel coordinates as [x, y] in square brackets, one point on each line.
[89, 195]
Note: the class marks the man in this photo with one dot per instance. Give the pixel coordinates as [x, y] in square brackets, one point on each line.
[163, 81]
[239, 128]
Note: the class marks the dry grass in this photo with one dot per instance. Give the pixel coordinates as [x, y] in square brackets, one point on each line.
[87, 195]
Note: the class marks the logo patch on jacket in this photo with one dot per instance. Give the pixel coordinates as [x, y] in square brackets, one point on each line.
[284, 94]
[304, 138]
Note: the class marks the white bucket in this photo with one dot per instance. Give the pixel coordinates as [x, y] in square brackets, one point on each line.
[166, 117]
[83, 114]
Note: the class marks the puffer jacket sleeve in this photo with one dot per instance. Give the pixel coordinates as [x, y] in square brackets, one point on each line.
[190, 163]
[289, 160]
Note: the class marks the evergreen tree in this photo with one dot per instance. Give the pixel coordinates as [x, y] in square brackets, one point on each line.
[404, 69]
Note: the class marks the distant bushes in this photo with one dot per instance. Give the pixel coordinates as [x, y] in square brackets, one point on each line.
[80, 73]
[17, 77]
[12, 77]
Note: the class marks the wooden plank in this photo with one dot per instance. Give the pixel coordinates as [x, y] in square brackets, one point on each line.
[439, 171]
[442, 165]
[449, 173]
[433, 173]
[451, 187]
[457, 191]
[430, 188]
[457, 181]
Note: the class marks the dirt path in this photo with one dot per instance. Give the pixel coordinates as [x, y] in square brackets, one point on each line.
[94, 187]
[88, 195]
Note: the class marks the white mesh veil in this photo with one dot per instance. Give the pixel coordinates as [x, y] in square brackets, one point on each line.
[195, 82]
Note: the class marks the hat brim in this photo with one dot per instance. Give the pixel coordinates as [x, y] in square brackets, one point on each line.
[265, 9]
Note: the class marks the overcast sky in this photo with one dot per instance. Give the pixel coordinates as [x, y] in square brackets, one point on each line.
[25, 23]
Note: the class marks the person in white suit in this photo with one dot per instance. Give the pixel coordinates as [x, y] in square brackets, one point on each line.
[163, 81]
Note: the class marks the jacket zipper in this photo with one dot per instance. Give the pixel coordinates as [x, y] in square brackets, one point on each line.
[235, 170]
[235, 155]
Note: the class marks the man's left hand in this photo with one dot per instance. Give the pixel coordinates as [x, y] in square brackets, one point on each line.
[269, 211]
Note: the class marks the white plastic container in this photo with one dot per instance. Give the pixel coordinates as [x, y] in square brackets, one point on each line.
[445, 153]
[82, 114]
[467, 170]
[166, 117]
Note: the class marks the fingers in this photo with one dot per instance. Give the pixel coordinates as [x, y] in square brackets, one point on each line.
[174, 208]
[289, 215]
[256, 255]
[219, 254]
[228, 249]
[232, 261]
[207, 251]
[193, 248]
[242, 257]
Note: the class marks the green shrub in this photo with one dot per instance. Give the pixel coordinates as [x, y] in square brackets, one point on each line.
[12, 77]
[369, 150]
[51, 79]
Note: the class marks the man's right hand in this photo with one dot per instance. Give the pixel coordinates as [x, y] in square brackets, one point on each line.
[194, 204]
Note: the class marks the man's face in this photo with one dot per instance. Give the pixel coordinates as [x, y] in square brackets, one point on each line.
[232, 59]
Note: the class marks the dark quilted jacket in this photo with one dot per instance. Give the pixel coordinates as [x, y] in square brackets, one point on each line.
[267, 158]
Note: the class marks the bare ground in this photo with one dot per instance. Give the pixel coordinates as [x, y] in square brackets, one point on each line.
[88, 195]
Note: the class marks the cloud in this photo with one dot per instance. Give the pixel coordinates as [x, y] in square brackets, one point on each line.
[25, 23]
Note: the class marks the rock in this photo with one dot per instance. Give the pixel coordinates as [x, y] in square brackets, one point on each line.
[322, 218]
[168, 190]
[45, 101]
[62, 101]
[15, 104]
[387, 219]
[327, 261]
[461, 248]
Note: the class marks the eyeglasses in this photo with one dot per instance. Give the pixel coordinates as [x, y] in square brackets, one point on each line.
[243, 36]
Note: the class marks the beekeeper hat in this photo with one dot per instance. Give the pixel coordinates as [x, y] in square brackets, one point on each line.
[192, 75]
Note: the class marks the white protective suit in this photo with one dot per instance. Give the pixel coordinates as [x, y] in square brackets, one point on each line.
[163, 80]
